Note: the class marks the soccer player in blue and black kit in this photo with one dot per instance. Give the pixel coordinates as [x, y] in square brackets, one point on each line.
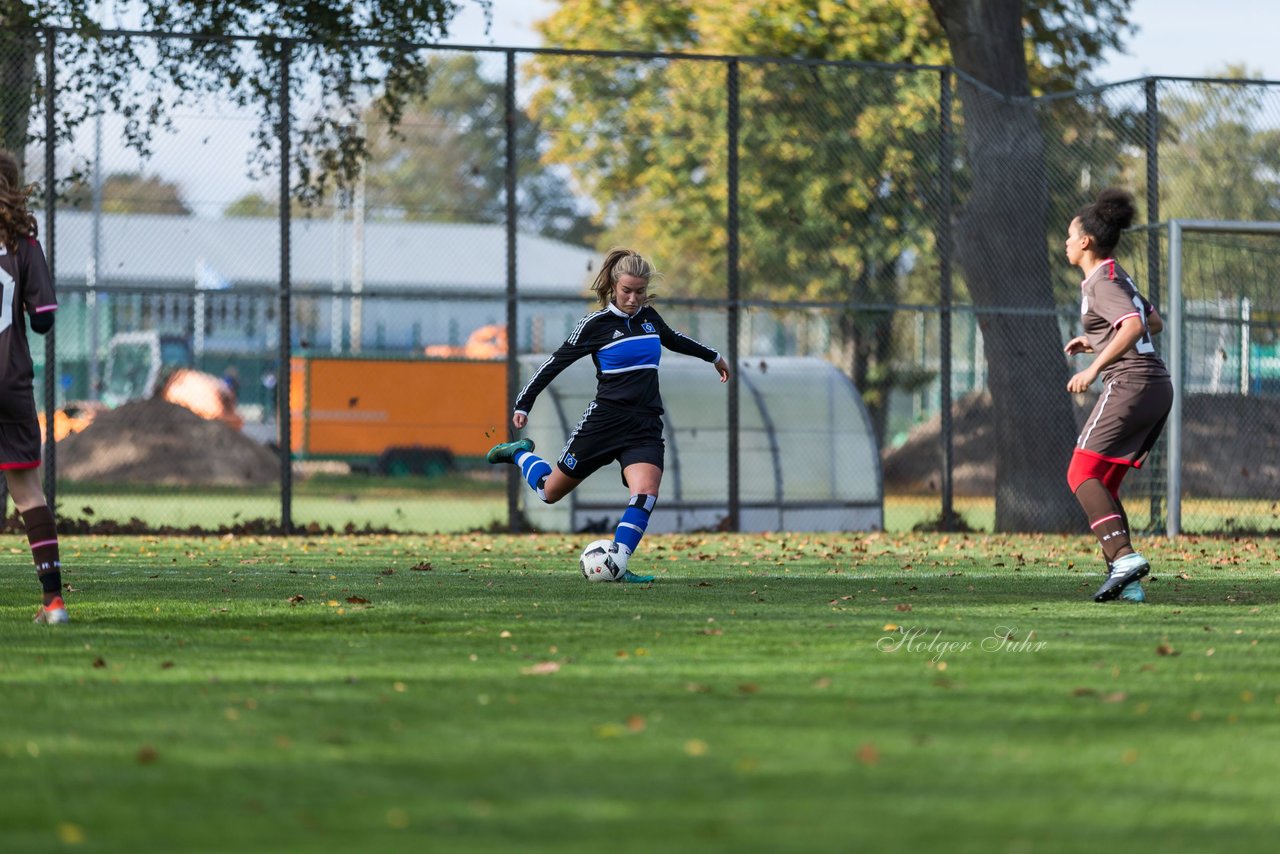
[624, 423]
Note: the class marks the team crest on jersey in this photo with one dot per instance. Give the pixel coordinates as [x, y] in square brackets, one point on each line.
[647, 327]
[617, 333]
[570, 461]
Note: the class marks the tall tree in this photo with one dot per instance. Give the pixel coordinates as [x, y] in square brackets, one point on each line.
[341, 54]
[839, 169]
[835, 171]
[129, 192]
[446, 160]
[1004, 217]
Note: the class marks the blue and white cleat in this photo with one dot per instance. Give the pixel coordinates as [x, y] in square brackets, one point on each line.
[1125, 572]
[506, 451]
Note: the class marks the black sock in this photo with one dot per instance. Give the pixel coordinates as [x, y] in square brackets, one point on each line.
[42, 534]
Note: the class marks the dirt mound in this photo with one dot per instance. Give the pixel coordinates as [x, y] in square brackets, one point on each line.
[157, 442]
[1230, 449]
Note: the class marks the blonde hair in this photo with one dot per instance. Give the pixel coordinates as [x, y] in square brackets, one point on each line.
[618, 263]
[15, 220]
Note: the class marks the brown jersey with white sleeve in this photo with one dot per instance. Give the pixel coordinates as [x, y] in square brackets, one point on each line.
[25, 287]
[1137, 393]
[1107, 298]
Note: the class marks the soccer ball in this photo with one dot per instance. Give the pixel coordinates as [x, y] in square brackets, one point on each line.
[599, 562]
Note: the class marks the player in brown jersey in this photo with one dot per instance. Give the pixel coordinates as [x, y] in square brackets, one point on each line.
[1136, 390]
[25, 286]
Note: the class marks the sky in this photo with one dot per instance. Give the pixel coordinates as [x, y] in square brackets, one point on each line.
[1176, 38]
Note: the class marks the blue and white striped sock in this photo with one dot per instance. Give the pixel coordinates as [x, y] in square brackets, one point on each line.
[535, 470]
[635, 519]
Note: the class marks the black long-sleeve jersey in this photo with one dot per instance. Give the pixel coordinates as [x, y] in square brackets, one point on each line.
[626, 351]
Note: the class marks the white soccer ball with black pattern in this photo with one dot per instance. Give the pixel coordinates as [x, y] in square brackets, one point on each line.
[599, 563]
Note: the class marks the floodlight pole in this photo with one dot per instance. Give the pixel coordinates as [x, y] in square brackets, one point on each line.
[734, 521]
[50, 213]
[284, 371]
[946, 157]
[1173, 500]
[1151, 90]
[513, 294]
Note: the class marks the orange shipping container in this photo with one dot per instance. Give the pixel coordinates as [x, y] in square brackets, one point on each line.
[353, 407]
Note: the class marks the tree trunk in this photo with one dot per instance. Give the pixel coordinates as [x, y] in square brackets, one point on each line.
[1001, 242]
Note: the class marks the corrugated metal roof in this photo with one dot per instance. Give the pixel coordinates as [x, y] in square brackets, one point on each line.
[148, 250]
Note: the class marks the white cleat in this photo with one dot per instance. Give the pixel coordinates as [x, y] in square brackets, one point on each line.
[53, 614]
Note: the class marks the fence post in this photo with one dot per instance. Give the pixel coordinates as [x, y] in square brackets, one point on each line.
[1153, 247]
[734, 319]
[1173, 487]
[50, 213]
[946, 158]
[284, 375]
[513, 331]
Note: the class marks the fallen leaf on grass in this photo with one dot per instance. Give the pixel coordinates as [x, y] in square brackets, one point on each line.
[147, 754]
[425, 566]
[868, 754]
[165, 665]
[1165, 649]
[695, 747]
[99, 662]
[542, 668]
[636, 723]
[297, 599]
[903, 607]
[357, 600]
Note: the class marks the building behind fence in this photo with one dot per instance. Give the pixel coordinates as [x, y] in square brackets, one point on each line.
[239, 287]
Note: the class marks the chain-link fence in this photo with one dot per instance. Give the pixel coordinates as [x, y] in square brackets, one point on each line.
[227, 355]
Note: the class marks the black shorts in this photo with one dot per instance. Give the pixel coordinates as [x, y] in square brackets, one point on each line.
[604, 434]
[19, 445]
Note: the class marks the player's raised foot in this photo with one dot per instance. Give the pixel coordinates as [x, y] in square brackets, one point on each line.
[1124, 572]
[506, 451]
[53, 614]
[629, 577]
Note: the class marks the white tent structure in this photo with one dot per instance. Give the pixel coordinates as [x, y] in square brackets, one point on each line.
[807, 452]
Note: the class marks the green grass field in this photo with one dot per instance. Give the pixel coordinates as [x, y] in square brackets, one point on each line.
[470, 501]
[779, 692]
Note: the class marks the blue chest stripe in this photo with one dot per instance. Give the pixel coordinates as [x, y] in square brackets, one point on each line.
[631, 353]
